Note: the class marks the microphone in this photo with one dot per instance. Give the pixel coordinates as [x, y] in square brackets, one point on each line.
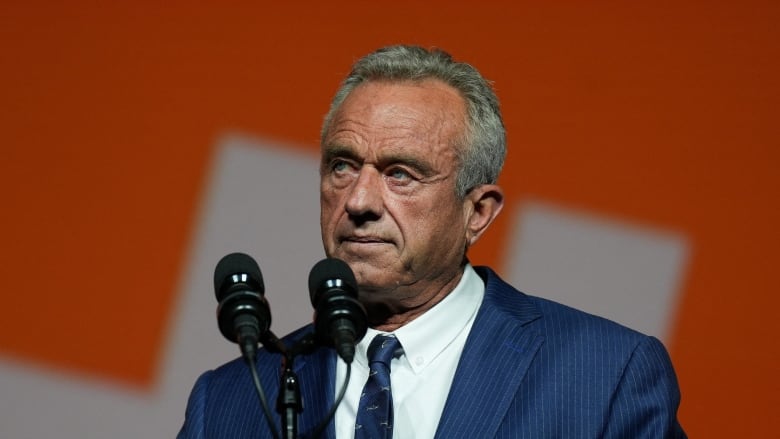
[340, 320]
[243, 314]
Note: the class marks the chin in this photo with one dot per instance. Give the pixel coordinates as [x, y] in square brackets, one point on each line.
[369, 276]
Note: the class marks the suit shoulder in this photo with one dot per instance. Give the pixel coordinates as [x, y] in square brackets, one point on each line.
[568, 318]
[555, 320]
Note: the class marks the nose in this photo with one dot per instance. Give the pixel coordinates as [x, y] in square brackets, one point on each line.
[364, 200]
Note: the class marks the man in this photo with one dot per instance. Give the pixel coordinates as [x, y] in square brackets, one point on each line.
[411, 151]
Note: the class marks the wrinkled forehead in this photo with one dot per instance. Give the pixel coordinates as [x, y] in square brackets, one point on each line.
[421, 110]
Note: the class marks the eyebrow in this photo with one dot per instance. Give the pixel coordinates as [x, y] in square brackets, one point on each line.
[329, 152]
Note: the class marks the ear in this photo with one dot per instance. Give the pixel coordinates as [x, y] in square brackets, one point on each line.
[482, 204]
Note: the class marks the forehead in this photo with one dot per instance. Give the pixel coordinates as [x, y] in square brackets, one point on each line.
[384, 113]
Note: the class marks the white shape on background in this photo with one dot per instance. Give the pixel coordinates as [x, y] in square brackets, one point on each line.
[261, 199]
[621, 271]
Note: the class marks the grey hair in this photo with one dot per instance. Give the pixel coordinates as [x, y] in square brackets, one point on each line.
[483, 148]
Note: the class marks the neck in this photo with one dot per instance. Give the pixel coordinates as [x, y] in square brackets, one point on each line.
[389, 315]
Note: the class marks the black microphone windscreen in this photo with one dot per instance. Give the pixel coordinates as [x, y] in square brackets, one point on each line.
[330, 269]
[237, 263]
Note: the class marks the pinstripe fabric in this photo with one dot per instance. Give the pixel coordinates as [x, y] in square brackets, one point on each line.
[549, 371]
[223, 402]
[531, 368]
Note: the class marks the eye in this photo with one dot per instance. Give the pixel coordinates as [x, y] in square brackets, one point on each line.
[339, 165]
[399, 174]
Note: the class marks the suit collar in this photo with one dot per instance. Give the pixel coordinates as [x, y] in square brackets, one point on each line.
[503, 297]
[498, 352]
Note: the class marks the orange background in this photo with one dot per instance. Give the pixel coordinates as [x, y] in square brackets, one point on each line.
[664, 114]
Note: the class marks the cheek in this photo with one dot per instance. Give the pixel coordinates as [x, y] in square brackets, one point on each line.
[327, 210]
[419, 222]
[441, 222]
[329, 200]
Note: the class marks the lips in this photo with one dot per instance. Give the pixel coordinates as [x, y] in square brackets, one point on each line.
[356, 248]
[364, 239]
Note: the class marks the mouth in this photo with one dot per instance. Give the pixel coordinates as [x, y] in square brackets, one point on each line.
[364, 240]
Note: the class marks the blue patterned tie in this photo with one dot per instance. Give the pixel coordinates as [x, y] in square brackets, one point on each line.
[375, 411]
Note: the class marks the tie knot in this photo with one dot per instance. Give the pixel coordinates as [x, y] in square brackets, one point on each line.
[383, 349]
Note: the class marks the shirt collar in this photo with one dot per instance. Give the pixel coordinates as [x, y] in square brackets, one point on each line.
[425, 337]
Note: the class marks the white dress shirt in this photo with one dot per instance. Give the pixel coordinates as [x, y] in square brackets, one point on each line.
[421, 378]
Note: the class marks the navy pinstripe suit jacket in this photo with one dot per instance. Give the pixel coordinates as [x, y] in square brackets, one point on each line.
[531, 368]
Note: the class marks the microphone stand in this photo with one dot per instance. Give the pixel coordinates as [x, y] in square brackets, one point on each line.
[289, 403]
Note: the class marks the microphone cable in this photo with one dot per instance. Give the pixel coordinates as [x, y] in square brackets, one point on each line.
[332, 412]
[261, 394]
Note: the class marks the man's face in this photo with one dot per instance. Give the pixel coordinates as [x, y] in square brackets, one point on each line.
[387, 189]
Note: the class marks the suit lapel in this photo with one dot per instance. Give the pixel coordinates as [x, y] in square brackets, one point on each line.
[494, 362]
